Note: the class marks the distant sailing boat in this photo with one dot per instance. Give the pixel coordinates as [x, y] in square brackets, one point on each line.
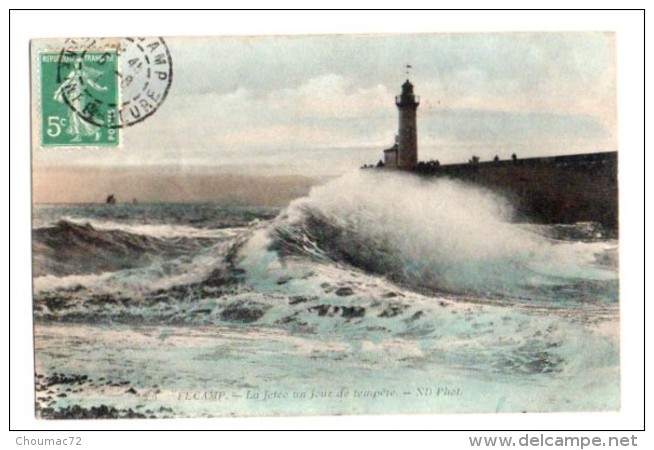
[111, 199]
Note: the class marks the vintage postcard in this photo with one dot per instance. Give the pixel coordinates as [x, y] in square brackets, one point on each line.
[325, 225]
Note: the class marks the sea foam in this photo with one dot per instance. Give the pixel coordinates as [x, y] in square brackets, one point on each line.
[435, 234]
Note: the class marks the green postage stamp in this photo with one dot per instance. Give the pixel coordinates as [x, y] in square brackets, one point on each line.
[79, 98]
[88, 89]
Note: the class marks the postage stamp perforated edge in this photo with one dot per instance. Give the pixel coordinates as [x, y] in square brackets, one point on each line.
[107, 84]
[39, 47]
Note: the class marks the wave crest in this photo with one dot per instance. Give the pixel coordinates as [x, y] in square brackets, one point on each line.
[68, 248]
[431, 234]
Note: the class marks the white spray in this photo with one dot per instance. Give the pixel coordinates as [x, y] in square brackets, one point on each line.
[435, 233]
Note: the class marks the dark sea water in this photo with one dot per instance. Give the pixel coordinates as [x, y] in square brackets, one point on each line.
[411, 295]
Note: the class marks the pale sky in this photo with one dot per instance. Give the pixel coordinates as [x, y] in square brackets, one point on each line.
[324, 105]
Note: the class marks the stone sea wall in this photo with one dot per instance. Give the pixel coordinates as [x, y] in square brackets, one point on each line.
[559, 189]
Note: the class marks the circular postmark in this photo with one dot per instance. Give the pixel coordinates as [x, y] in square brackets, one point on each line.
[114, 83]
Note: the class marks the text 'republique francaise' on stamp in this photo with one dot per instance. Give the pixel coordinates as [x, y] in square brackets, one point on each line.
[90, 89]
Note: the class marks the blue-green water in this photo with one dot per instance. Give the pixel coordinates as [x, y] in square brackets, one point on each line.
[370, 295]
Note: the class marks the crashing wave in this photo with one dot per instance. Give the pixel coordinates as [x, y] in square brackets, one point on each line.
[436, 235]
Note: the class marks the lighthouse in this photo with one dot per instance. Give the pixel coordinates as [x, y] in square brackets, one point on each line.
[407, 138]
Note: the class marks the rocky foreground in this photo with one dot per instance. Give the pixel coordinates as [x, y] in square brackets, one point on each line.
[52, 389]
